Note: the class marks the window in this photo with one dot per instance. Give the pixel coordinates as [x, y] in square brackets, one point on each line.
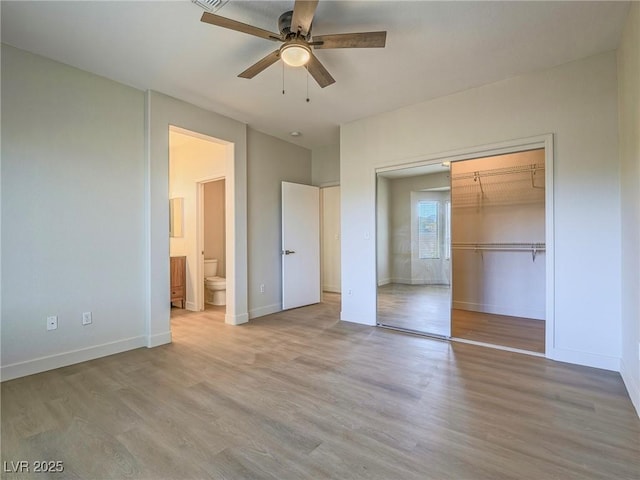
[428, 229]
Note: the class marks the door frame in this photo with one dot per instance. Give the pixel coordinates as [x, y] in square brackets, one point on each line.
[229, 238]
[545, 141]
[233, 286]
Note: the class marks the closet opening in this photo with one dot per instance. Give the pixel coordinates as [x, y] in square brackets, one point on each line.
[498, 250]
[486, 214]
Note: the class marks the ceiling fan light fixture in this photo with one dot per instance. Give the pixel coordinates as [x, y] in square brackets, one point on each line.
[295, 54]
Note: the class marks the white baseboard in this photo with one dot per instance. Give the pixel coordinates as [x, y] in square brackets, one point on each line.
[405, 281]
[51, 362]
[584, 358]
[384, 281]
[633, 388]
[158, 339]
[266, 310]
[331, 288]
[236, 319]
[356, 319]
[191, 306]
[499, 310]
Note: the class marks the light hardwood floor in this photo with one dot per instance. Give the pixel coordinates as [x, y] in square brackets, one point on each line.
[514, 332]
[427, 309]
[423, 308]
[300, 395]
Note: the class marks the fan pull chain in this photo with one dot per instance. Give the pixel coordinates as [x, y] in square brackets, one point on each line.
[282, 77]
[307, 85]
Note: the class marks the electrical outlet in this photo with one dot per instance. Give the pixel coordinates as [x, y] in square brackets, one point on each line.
[52, 322]
[86, 318]
[262, 288]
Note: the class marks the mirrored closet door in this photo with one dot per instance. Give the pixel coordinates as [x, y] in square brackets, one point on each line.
[414, 256]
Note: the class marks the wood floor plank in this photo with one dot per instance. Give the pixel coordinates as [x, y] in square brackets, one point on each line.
[515, 332]
[301, 395]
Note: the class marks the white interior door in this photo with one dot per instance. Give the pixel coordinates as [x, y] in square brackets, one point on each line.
[300, 245]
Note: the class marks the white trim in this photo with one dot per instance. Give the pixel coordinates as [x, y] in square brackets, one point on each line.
[583, 358]
[266, 310]
[402, 281]
[147, 214]
[497, 347]
[51, 362]
[236, 319]
[633, 388]
[192, 307]
[500, 148]
[331, 288]
[158, 339]
[335, 183]
[201, 136]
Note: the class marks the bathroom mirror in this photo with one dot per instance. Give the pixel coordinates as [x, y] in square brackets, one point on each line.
[175, 216]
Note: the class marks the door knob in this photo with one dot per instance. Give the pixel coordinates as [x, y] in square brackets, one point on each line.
[289, 252]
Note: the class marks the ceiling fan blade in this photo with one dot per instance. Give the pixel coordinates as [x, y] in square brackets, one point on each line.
[318, 72]
[351, 40]
[303, 12]
[239, 26]
[260, 65]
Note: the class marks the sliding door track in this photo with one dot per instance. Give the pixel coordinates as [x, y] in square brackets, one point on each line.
[414, 332]
[445, 338]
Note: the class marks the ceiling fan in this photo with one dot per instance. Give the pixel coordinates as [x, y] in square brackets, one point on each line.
[295, 35]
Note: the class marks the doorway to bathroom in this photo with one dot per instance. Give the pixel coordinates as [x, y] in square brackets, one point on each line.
[198, 169]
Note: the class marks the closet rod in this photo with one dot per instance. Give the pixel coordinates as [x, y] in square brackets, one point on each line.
[534, 248]
[525, 245]
[499, 171]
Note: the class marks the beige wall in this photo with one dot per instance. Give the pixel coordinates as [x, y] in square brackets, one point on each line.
[73, 214]
[629, 118]
[270, 162]
[214, 223]
[325, 165]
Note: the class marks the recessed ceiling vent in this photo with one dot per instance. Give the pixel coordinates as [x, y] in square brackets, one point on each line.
[211, 5]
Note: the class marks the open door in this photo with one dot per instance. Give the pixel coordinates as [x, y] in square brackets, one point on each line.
[300, 245]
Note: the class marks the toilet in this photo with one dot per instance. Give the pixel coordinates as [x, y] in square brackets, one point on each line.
[215, 286]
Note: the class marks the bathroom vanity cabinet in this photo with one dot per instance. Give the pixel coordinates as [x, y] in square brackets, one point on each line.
[178, 267]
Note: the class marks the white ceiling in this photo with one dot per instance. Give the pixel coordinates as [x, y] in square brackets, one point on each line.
[433, 49]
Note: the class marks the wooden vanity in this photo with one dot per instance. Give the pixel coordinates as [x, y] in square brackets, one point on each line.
[178, 268]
